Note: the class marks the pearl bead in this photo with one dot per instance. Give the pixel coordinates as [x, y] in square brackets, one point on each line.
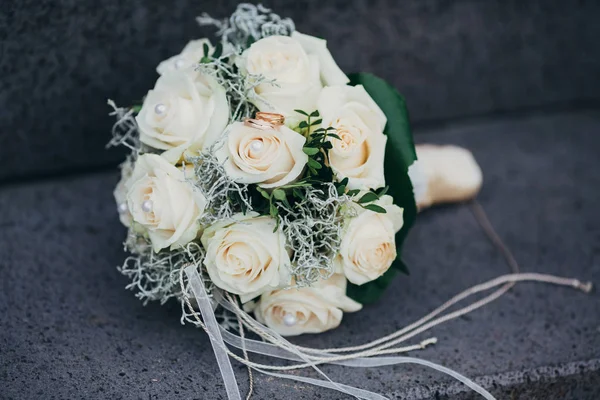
[147, 206]
[160, 108]
[256, 145]
[179, 63]
[122, 208]
[289, 319]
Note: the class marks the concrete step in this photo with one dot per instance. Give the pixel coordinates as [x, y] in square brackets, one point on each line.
[70, 330]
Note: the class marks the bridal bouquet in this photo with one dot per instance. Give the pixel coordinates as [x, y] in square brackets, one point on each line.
[284, 178]
[263, 180]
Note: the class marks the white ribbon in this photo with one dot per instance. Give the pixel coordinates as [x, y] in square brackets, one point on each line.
[221, 352]
[268, 349]
[208, 315]
[280, 348]
[218, 336]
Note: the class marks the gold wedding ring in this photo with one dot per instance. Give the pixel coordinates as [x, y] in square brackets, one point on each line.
[258, 124]
[272, 118]
[265, 121]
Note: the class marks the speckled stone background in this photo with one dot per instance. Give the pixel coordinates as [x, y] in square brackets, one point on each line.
[70, 331]
[61, 60]
[516, 81]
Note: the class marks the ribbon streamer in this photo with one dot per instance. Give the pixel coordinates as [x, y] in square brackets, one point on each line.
[208, 315]
[217, 334]
[221, 351]
[274, 351]
[283, 349]
[367, 355]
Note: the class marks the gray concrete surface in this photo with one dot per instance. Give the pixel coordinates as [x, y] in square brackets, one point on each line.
[68, 329]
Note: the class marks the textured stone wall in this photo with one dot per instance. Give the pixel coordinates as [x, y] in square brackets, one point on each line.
[60, 60]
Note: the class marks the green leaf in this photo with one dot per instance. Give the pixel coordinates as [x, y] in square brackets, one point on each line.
[311, 151]
[205, 60]
[341, 187]
[314, 113]
[368, 197]
[303, 124]
[371, 292]
[375, 208]
[279, 194]
[136, 108]
[205, 49]
[218, 50]
[302, 112]
[399, 152]
[333, 135]
[317, 122]
[298, 193]
[400, 266]
[263, 192]
[383, 191]
[273, 210]
[314, 164]
[302, 183]
[353, 192]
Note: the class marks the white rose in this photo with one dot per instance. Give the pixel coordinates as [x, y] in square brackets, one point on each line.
[191, 55]
[120, 194]
[245, 256]
[161, 200]
[359, 121]
[184, 112]
[295, 73]
[330, 73]
[313, 309]
[270, 158]
[368, 245]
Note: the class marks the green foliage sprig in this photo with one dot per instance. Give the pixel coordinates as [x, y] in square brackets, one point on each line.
[217, 53]
[317, 148]
[368, 199]
[282, 199]
[318, 144]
